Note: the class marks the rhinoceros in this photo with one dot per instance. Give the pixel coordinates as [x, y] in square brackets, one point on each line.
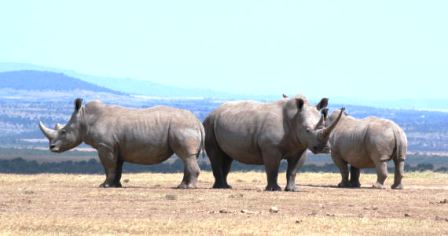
[265, 133]
[367, 143]
[141, 136]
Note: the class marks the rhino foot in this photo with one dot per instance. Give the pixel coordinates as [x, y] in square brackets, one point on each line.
[291, 189]
[110, 185]
[344, 185]
[222, 186]
[378, 186]
[397, 186]
[273, 188]
[186, 186]
[355, 185]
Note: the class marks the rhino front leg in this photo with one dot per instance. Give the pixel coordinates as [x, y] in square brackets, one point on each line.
[343, 168]
[271, 161]
[381, 171]
[294, 163]
[398, 175]
[112, 167]
[191, 172]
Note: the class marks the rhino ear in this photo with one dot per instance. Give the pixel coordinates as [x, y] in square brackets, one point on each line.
[322, 104]
[78, 104]
[285, 96]
[300, 103]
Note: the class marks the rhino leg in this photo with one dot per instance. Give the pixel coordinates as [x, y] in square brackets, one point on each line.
[112, 166]
[191, 172]
[354, 177]
[381, 172]
[343, 168]
[398, 175]
[271, 160]
[294, 163]
[220, 163]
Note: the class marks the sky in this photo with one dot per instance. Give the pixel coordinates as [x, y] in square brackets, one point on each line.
[355, 49]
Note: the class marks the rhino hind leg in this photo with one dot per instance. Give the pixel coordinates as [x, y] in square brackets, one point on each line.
[191, 172]
[398, 175]
[381, 171]
[220, 163]
[354, 177]
[294, 163]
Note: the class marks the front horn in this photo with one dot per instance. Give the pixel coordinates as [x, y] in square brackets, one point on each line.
[49, 133]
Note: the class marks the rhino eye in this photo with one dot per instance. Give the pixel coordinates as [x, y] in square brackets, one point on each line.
[308, 130]
[63, 132]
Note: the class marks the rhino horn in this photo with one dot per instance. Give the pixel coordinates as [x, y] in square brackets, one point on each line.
[323, 119]
[58, 126]
[49, 133]
[327, 131]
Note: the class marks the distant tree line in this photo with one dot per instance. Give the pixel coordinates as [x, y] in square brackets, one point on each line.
[21, 166]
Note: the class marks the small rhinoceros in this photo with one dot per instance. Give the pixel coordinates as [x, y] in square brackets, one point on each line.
[141, 136]
[367, 143]
[264, 134]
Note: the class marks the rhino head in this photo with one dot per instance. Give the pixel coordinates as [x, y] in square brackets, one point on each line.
[63, 138]
[309, 124]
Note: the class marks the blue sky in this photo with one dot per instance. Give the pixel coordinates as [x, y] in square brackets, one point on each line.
[356, 49]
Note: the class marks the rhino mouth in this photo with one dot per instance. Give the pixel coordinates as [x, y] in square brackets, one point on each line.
[320, 149]
[55, 148]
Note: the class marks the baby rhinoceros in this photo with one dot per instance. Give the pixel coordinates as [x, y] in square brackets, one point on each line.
[367, 143]
[141, 136]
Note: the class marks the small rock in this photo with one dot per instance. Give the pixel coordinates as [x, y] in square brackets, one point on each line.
[28, 192]
[298, 221]
[407, 215]
[239, 195]
[126, 180]
[441, 218]
[170, 197]
[224, 211]
[244, 211]
[444, 201]
[273, 209]
[239, 180]
[313, 213]
[374, 208]
[328, 214]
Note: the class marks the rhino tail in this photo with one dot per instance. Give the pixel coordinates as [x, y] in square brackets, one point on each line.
[400, 144]
[202, 145]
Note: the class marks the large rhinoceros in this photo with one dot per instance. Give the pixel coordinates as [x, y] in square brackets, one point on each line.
[141, 136]
[367, 143]
[265, 133]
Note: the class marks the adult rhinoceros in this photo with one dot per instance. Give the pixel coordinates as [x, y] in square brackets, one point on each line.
[367, 143]
[141, 136]
[265, 133]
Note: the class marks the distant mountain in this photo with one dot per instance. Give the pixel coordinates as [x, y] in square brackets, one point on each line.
[44, 80]
[128, 86]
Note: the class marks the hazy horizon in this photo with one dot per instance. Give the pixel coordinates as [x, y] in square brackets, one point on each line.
[373, 51]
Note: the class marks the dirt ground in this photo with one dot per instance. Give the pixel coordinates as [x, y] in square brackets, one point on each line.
[149, 205]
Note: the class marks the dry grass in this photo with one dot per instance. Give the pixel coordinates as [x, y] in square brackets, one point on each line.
[72, 204]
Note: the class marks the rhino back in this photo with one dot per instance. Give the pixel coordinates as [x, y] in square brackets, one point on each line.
[141, 135]
[360, 142]
[240, 128]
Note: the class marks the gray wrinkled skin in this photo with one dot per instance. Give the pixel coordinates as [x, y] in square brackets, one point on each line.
[367, 143]
[141, 136]
[264, 133]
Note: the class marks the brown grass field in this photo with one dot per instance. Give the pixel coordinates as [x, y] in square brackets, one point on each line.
[149, 205]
